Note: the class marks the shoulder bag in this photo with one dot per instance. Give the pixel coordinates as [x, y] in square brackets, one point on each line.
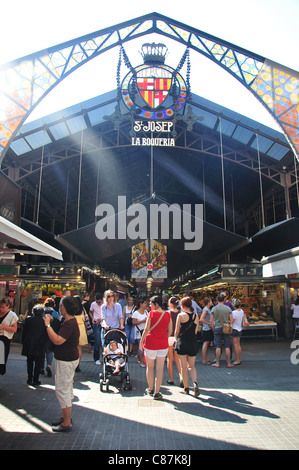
[227, 328]
[130, 319]
[160, 318]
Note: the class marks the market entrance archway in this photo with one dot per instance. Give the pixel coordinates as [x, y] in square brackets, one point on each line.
[26, 81]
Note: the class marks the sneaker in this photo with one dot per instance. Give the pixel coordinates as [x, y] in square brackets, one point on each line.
[98, 362]
[158, 396]
[59, 421]
[61, 428]
[149, 392]
[142, 365]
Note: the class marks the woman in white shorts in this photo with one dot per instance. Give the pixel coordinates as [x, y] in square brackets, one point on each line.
[154, 341]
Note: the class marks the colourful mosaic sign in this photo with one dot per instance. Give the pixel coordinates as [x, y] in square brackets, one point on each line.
[153, 84]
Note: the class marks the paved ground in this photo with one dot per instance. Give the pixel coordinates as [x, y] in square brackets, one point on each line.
[252, 406]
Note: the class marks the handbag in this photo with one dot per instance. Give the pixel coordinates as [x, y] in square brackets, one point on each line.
[88, 327]
[227, 328]
[130, 319]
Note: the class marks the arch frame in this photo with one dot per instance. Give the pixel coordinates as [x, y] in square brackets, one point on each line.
[26, 81]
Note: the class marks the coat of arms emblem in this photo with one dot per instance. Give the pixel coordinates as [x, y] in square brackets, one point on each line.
[154, 90]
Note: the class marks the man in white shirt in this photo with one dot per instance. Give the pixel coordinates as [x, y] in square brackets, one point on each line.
[95, 313]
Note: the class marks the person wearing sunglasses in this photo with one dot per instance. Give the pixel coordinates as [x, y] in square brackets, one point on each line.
[112, 316]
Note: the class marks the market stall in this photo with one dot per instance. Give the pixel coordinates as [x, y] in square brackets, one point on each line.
[262, 300]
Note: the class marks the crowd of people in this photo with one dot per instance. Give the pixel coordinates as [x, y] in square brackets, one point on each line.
[164, 328]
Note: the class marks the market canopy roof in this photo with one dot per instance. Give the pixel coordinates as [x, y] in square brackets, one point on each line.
[217, 242]
[90, 113]
[14, 240]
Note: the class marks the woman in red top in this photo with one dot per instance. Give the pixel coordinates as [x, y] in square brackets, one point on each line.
[155, 343]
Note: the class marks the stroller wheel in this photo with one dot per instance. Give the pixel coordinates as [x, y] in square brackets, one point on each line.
[101, 384]
[126, 383]
[107, 385]
[129, 386]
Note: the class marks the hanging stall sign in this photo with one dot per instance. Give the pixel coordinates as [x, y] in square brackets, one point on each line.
[241, 271]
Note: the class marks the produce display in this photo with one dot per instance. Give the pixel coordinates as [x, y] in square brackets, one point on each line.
[255, 311]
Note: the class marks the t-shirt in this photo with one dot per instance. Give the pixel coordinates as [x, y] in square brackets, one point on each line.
[96, 309]
[114, 353]
[238, 319]
[9, 320]
[140, 316]
[158, 337]
[224, 312]
[68, 351]
[207, 318]
[295, 309]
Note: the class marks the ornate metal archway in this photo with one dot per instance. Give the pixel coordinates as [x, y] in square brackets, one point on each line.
[25, 81]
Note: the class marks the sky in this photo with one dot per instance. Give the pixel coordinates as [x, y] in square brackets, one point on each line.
[266, 27]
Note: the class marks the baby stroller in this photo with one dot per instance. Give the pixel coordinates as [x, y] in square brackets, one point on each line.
[120, 337]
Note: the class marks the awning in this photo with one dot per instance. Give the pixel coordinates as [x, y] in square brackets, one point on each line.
[274, 239]
[284, 263]
[20, 241]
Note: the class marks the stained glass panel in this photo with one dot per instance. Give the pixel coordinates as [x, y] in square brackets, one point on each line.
[278, 88]
[27, 81]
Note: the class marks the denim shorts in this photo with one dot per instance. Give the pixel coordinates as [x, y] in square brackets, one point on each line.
[219, 337]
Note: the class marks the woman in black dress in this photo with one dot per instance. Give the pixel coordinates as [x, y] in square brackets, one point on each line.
[186, 343]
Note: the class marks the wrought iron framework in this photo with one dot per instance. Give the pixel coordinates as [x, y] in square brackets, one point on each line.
[64, 160]
[25, 81]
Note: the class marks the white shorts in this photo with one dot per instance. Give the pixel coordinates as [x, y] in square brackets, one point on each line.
[153, 353]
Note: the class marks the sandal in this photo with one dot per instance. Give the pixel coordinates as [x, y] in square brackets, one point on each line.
[158, 396]
[170, 382]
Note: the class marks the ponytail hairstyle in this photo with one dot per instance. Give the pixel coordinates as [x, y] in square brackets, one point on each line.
[186, 302]
[157, 299]
[174, 301]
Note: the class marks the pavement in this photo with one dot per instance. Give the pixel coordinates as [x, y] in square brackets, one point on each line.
[254, 406]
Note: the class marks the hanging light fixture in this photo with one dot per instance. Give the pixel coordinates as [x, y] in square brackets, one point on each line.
[149, 282]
